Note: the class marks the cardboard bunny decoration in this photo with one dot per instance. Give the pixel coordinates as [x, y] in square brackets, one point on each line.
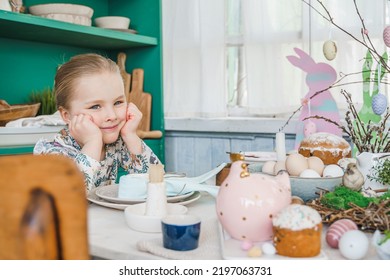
[319, 77]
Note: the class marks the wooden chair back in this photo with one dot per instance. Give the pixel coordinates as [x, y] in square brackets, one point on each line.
[43, 208]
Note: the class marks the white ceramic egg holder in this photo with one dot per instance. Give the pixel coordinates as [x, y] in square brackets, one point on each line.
[146, 217]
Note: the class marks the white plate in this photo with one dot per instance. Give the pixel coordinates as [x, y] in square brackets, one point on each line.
[110, 193]
[92, 197]
[231, 250]
[260, 156]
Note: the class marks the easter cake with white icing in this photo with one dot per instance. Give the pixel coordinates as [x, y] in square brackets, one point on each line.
[297, 231]
[330, 148]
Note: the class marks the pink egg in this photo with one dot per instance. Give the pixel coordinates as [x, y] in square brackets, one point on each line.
[386, 36]
[337, 229]
[246, 245]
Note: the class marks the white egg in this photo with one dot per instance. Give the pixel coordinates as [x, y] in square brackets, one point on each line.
[309, 173]
[330, 49]
[295, 164]
[353, 245]
[279, 165]
[333, 170]
[316, 164]
[268, 248]
[268, 167]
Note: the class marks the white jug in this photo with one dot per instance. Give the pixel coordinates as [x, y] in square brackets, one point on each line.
[365, 162]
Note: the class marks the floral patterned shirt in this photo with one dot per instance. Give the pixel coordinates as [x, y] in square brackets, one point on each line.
[98, 173]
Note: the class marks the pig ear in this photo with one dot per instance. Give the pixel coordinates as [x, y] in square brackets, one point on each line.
[303, 61]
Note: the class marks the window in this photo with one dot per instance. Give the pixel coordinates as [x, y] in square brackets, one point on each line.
[228, 57]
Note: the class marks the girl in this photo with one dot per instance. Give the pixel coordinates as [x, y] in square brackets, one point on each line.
[101, 127]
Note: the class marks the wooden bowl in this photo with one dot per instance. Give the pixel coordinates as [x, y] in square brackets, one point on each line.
[14, 112]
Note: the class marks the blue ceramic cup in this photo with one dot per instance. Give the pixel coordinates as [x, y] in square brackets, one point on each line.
[180, 232]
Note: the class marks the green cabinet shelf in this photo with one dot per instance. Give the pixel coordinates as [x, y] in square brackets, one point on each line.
[38, 29]
[32, 47]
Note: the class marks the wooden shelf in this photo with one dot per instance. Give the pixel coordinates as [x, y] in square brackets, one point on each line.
[34, 28]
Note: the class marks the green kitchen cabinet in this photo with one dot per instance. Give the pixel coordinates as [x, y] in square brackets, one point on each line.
[31, 48]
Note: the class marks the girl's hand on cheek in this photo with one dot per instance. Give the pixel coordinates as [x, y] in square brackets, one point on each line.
[84, 130]
[133, 118]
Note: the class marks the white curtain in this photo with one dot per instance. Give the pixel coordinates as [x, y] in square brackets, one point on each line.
[194, 52]
[194, 58]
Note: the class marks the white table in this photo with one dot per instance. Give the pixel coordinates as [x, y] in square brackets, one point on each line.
[111, 238]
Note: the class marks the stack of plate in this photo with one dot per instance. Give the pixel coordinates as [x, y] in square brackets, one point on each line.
[108, 196]
[78, 14]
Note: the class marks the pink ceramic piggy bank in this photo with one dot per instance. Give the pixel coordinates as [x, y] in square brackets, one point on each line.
[247, 202]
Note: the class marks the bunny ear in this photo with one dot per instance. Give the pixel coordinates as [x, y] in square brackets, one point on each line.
[304, 61]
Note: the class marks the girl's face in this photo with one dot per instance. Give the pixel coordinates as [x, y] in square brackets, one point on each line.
[100, 96]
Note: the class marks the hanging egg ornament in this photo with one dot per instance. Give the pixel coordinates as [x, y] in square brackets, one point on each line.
[330, 49]
[379, 103]
[386, 36]
[309, 128]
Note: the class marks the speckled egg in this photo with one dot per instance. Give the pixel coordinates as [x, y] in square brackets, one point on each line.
[268, 248]
[316, 164]
[330, 49]
[295, 164]
[353, 245]
[332, 170]
[337, 229]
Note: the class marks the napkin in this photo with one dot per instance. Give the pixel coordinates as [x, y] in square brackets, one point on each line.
[39, 121]
[209, 245]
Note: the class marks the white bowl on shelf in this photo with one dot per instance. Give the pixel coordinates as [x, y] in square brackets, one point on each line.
[112, 22]
[59, 8]
[72, 13]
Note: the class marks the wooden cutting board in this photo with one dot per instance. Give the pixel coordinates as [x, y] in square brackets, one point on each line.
[141, 99]
[137, 96]
[125, 76]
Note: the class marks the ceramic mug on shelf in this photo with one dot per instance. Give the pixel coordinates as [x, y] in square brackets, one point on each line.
[180, 232]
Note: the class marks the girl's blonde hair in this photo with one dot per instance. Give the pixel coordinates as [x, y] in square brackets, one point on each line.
[76, 68]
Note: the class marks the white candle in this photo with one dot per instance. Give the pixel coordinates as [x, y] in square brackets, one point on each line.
[280, 146]
[156, 200]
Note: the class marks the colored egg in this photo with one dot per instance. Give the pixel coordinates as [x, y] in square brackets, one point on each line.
[254, 252]
[386, 36]
[379, 103]
[353, 245]
[246, 245]
[337, 229]
[330, 49]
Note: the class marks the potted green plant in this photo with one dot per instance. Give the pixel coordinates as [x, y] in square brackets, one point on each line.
[46, 98]
[380, 172]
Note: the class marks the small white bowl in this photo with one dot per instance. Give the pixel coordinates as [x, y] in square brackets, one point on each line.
[112, 22]
[137, 220]
[59, 8]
